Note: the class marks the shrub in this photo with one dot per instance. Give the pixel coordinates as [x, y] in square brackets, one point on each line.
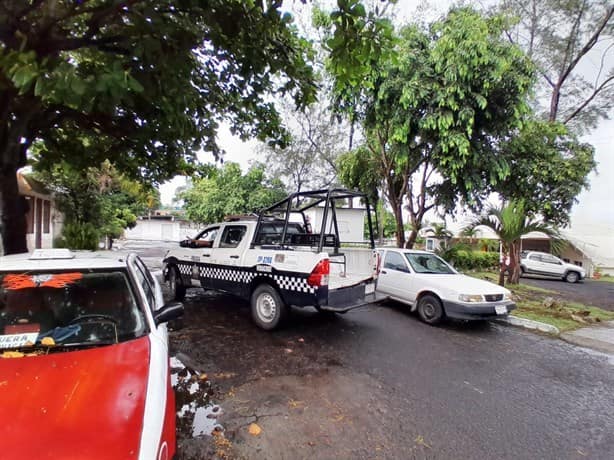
[76, 235]
[463, 258]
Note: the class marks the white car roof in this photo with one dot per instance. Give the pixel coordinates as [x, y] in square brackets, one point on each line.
[61, 259]
[412, 251]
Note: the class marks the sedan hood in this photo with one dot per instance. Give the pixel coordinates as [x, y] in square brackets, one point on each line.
[462, 284]
[75, 405]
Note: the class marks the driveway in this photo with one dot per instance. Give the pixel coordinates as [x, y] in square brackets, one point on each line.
[588, 292]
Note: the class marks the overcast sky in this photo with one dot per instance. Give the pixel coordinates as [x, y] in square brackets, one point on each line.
[594, 211]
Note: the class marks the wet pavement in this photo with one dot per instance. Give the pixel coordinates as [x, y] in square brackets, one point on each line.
[377, 383]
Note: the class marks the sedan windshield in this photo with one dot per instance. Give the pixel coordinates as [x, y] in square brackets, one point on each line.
[71, 309]
[428, 263]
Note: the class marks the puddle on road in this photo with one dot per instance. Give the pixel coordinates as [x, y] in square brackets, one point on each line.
[196, 414]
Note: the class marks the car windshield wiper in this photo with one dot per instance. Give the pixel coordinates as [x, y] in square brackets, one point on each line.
[56, 347]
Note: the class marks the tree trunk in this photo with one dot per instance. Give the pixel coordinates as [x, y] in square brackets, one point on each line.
[12, 213]
[514, 268]
[412, 239]
[398, 217]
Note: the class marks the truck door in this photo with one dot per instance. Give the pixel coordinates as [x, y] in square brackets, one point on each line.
[226, 258]
[200, 249]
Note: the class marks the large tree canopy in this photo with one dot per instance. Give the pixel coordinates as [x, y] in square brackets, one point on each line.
[437, 107]
[148, 80]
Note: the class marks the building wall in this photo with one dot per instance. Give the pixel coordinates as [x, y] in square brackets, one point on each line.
[161, 230]
[43, 222]
[350, 223]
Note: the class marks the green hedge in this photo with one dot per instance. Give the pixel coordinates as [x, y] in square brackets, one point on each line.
[464, 259]
[77, 235]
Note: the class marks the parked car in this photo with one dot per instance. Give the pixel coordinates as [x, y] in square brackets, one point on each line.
[84, 365]
[544, 264]
[435, 290]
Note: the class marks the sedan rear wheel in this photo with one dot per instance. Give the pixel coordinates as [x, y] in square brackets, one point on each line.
[430, 309]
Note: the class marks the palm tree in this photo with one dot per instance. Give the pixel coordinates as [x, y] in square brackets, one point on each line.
[510, 222]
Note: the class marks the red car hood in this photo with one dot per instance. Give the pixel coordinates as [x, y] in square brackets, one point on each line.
[85, 404]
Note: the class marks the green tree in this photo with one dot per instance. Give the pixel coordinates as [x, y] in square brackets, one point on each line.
[548, 169]
[149, 80]
[563, 37]
[436, 107]
[510, 222]
[99, 202]
[227, 191]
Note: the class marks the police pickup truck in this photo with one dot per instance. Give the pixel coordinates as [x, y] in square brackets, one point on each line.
[276, 260]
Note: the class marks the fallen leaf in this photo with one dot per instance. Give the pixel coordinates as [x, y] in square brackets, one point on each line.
[254, 429]
[302, 340]
[288, 350]
[203, 377]
[421, 442]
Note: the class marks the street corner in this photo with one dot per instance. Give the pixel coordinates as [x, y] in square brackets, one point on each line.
[326, 415]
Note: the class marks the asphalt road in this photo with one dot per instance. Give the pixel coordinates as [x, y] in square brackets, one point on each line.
[588, 292]
[409, 390]
[377, 383]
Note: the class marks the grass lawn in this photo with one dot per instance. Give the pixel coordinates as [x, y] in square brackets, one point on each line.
[543, 305]
[605, 279]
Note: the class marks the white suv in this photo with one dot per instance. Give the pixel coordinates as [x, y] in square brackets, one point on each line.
[544, 264]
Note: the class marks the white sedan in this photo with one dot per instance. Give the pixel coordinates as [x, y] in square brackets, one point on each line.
[429, 285]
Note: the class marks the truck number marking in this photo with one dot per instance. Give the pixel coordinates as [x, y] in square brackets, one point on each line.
[264, 259]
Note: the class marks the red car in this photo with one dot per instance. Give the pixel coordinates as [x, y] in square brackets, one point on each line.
[84, 364]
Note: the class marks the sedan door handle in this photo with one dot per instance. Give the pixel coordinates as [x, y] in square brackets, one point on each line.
[206, 255]
[234, 257]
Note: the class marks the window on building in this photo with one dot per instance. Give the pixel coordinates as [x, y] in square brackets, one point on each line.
[430, 244]
[46, 216]
[30, 214]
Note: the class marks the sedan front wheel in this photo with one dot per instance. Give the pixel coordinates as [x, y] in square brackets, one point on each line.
[430, 309]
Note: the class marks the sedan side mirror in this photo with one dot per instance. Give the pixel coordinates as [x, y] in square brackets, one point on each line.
[168, 312]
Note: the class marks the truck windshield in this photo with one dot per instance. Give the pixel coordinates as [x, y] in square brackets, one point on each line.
[76, 308]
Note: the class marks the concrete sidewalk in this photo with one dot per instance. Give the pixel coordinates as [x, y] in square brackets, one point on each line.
[599, 338]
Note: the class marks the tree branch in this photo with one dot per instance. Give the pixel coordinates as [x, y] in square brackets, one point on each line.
[589, 99]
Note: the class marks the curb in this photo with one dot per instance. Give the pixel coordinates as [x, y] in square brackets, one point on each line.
[530, 324]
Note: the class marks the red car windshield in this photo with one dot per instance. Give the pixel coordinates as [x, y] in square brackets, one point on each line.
[77, 308]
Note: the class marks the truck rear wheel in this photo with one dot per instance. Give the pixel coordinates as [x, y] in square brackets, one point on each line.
[268, 308]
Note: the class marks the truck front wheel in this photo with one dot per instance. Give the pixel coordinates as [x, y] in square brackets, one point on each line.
[175, 284]
[268, 309]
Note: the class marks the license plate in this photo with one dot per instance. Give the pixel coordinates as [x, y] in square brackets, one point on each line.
[369, 288]
[501, 310]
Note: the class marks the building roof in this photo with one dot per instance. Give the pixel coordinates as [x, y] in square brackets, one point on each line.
[29, 186]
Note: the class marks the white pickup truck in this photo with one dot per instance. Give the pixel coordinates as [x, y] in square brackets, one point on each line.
[275, 259]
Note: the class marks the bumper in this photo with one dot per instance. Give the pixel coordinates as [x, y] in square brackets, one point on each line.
[460, 310]
[368, 299]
